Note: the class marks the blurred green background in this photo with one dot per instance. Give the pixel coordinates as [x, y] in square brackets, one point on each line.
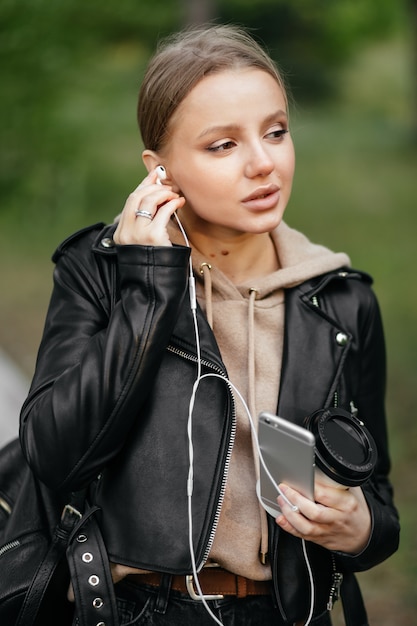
[70, 154]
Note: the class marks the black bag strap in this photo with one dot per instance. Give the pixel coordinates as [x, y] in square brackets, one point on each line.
[91, 578]
[80, 538]
[43, 576]
[353, 606]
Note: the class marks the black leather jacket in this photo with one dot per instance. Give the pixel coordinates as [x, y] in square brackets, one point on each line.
[111, 391]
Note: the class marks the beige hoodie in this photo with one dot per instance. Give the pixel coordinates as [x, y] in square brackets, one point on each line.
[248, 322]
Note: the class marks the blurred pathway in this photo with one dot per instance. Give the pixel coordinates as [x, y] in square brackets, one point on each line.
[13, 390]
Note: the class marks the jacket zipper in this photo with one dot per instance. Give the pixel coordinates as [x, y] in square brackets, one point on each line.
[9, 546]
[217, 370]
[337, 579]
[316, 303]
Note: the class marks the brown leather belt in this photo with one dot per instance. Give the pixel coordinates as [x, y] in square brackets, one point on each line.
[213, 581]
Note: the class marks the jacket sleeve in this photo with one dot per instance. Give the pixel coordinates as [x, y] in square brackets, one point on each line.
[95, 366]
[378, 490]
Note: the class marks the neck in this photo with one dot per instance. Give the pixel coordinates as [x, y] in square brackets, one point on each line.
[242, 258]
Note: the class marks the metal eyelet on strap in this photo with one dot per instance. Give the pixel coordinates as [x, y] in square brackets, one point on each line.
[97, 603]
[101, 624]
[87, 557]
[82, 538]
[94, 580]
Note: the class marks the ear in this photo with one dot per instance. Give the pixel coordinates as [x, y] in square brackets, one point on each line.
[151, 160]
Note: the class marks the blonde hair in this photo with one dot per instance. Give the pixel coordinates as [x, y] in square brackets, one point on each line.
[181, 61]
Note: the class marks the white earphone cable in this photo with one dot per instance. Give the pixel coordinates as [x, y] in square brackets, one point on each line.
[190, 477]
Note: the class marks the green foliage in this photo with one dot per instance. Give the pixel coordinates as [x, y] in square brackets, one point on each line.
[310, 39]
[52, 56]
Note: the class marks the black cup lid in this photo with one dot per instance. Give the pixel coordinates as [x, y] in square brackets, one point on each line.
[345, 449]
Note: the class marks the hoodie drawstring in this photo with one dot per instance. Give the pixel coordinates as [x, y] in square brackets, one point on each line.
[205, 272]
[252, 408]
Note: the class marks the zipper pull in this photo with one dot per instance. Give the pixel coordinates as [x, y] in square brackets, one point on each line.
[5, 506]
[337, 580]
[353, 409]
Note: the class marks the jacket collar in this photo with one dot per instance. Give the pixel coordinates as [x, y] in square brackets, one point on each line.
[317, 341]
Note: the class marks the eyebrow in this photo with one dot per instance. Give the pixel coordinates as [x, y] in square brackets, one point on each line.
[226, 128]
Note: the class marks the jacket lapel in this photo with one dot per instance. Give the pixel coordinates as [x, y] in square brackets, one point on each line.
[315, 349]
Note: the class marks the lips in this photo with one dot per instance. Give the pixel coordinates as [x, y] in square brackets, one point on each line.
[264, 197]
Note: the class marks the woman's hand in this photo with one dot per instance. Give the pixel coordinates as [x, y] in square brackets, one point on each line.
[158, 203]
[339, 519]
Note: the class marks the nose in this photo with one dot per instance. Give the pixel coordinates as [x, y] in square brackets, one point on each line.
[259, 162]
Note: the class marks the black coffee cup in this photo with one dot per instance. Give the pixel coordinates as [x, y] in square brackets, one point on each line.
[345, 449]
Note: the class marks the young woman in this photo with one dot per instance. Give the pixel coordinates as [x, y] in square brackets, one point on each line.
[163, 327]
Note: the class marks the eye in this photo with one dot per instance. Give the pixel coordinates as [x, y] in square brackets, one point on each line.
[221, 147]
[277, 134]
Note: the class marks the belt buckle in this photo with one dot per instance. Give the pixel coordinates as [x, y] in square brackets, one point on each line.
[189, 582]
[69, 512]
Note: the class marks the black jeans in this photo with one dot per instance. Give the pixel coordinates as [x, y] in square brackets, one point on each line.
[142, 605]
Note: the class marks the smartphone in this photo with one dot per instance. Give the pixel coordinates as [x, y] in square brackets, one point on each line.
[288, 452]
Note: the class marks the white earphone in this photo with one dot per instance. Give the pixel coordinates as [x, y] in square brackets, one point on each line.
[161, 173]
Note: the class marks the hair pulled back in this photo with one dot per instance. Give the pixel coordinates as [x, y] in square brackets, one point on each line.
[181, 61]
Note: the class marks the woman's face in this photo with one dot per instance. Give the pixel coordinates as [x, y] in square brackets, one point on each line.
[230, 154]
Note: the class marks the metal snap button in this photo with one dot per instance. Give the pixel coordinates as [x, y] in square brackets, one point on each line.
[341, 339]
[87, 557]
[97, 603]
[94, 580]
[107, 242]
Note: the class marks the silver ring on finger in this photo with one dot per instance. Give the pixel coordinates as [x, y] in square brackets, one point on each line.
[146, 214]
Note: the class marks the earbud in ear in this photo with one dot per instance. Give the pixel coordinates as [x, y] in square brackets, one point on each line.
[161, 173]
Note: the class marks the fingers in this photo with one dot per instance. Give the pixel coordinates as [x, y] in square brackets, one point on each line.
[299, 522]
[146, 214]
[338, 520]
